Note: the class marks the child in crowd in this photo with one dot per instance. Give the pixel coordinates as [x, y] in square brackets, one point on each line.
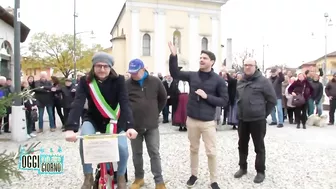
[30, 110]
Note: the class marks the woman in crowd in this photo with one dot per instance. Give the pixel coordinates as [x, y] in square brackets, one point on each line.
[57, 100]
[301, 87]
[180, 116]
[30, 109]
[232, 89]
[284, 86]
[289, 106]
[31, 83]
[317, 94]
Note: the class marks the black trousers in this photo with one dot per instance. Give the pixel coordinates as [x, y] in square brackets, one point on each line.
[225, 113]
[332, 108]
[257, 129]
[165, 112]
[301, 114]
[58, 108]
[29, 122]
[291, 113]
[66, 112]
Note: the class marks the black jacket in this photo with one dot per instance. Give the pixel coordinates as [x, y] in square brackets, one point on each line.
[114, 91]
[44, 96]
[67, 96]
[214, 87]
[277, 84]
[232, 89]
[317, 90]
[172, 91]
[256, 98]
[330, 89]
[146, 101]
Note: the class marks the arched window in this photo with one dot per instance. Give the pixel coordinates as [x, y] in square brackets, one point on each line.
[146, 44]
[177, 41]
[6, 48]
[204, 43]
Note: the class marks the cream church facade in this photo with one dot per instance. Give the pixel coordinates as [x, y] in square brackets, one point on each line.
[144, 27]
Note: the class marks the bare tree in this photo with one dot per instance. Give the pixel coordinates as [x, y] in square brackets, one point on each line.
[239, 58]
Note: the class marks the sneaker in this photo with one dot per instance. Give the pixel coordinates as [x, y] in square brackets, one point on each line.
[280, 125]
[240, 173]
[28, 136]
[273, 123]
[88, 181]
[32, 134]
[137, 184]
[259, 178]
[192, 181]
[214, 186]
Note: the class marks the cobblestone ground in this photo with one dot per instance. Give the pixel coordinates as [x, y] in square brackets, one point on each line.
[298, 159]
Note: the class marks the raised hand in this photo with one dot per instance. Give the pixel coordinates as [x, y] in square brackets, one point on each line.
[172, 48]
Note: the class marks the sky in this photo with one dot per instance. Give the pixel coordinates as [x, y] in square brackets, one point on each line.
[284, 27]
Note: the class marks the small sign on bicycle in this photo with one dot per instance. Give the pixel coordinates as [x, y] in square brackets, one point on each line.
[100, 148]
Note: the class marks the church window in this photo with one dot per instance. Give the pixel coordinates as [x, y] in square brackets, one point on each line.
[177, 41]
[204, 43]
[146, 45]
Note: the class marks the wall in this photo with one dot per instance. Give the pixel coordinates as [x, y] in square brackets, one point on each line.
[331, 65]
[176, 16]
[118, 52]
[7, 34]
[36, 73]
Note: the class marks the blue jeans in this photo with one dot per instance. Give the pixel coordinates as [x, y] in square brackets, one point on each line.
[88, 129]
[319, 108]
[50, 115]
[278, 109]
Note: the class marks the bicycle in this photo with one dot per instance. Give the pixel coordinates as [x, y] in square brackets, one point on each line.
[105, 177]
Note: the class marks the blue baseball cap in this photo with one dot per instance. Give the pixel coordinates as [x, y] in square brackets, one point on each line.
[135, 65]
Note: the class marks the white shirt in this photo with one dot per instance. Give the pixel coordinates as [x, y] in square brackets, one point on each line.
[183, 86]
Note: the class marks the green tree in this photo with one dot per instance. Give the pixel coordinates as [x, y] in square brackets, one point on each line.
[30, 62]
[84, 64]
[56, 51]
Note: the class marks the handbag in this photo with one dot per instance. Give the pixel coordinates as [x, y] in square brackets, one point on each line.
[299, 99]
[34, 115]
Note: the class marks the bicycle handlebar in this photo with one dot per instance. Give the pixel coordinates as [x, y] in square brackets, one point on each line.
[102, 135]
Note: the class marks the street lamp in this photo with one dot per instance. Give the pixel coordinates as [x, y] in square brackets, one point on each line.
[263, 58]
[327, 23]
[75, 15]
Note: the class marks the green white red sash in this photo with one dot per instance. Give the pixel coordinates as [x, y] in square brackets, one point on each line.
[104, 108]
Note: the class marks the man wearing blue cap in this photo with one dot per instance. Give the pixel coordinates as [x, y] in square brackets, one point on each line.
[148, 97]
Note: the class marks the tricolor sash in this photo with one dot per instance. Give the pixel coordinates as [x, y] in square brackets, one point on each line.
[104, 108]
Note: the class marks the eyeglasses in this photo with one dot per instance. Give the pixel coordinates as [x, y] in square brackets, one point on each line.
[248, 65]
[102, 66]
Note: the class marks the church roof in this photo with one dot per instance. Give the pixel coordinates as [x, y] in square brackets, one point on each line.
[118, 19]
[9, 19]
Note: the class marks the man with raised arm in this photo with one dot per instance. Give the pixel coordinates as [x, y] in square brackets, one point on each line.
[207, 91]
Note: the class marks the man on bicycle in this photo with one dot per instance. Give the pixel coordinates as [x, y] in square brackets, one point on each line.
[107, 102]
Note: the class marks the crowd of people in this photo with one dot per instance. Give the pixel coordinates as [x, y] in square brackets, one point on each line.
[197, 99]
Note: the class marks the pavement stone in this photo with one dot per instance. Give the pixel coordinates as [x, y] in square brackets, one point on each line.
[295, 159]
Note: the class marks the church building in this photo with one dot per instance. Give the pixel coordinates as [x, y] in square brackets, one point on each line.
[144, 28]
